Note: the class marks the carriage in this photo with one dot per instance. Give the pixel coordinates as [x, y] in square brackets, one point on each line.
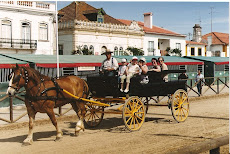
[43, 94]
[134, 105]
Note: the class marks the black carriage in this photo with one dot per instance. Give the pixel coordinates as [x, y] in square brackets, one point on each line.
[107, 90]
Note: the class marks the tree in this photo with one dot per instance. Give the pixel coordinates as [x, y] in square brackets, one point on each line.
[136, 51]
[82, 51]
[176, 52]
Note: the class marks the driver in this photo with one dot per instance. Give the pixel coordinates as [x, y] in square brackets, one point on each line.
[109, 65]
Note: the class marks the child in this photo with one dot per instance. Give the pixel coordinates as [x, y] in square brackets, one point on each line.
[131, 70]
[122, 69]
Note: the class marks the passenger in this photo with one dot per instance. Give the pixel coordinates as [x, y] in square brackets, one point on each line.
[163, 67]
[155, 66]
[182, 76]
[131, 70]
[143, 71]
[110, 65]
[122, 69]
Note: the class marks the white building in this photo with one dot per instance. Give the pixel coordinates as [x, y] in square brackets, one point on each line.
[27, 27]
[217, 44]
[82, 25]
[195, 49]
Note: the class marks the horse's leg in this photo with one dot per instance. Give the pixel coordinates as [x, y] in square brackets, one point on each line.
[31, 114]
[80, 124]
[50, 113]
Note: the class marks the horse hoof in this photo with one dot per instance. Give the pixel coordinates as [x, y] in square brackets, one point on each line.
[77, 133]
[58, 139]
[26, 143]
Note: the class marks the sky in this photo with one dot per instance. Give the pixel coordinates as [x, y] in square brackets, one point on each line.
[179, 17]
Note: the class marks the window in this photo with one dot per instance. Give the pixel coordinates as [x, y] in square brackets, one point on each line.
[192, 51]
[25, 32]
[226, 67]
[199, 52]
[60, 49]
[43, 31]
[217, 53]
[6, 29]
[120, 51]
[178, 46]
[151, 47]
[116, 51]
[200, 67]
[91, 49]
[100, 18]
[182, 67]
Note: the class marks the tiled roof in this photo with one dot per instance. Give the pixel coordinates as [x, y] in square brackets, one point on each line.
[83, 11]
[154, 29]
[217, 38]
[196, 43]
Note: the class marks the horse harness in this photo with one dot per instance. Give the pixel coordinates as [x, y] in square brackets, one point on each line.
[43, 95]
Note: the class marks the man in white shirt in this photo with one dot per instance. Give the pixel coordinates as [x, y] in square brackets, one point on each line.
[199, 79]
[109, 65]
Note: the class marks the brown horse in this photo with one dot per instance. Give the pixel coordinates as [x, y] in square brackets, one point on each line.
[43, 94]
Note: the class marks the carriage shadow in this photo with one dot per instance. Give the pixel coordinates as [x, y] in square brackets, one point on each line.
[38, 136]
[116, 124]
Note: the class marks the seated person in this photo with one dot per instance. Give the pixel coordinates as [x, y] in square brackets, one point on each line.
[131, 70]
[122, 68]
[109, 65]
[143, 71]
[163, 67]
[155, 67]
[182, 76]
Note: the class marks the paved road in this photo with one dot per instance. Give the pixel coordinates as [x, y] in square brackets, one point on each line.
[209, 118]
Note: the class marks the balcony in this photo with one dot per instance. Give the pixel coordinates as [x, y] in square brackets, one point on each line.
[29, 5]
[18, 44]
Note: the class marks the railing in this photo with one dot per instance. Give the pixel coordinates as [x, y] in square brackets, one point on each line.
[215, 88]
[30, 4]
[18, 43]
[213, 146]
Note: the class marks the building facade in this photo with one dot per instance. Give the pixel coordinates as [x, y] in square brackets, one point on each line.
[82, 26]
[195, 49]
[217, 44]
[27, 27]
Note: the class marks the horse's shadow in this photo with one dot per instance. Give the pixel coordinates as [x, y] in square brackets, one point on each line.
[38, 136]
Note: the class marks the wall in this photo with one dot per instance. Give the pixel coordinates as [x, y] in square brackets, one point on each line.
[34, 18]
[196, 49]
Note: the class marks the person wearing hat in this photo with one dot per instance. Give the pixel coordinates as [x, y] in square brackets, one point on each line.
[122, 68]
[109, 65]
[131, 70]
[143, 71]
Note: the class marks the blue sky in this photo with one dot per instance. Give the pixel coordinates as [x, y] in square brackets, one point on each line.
[179, 17]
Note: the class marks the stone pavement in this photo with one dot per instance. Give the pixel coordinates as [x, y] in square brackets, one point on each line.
[19, 110]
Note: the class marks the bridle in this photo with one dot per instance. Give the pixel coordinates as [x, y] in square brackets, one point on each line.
[26, 78]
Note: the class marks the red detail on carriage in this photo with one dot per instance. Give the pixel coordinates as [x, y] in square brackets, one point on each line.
[222, 63]
[12, 65]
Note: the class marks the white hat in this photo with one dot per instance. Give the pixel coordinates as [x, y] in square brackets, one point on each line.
[143, 59]
[134, 58]
[123, 60]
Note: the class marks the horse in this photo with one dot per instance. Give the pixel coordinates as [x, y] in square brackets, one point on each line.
[43, 94]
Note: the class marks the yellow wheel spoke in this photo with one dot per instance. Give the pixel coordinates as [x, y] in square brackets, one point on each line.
[128, 119]
[137, 121]
[129, 114]
[139, 112]
[138, 118]
[131, 123]
[128, 110]
[184, 100]
[185, 103]
[89, 117]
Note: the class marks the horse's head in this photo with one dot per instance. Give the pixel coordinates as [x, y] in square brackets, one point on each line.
[18, 78]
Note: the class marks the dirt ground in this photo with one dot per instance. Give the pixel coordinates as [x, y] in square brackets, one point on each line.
[208, 119]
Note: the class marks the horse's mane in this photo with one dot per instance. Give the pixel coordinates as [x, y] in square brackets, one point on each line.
[36, 74]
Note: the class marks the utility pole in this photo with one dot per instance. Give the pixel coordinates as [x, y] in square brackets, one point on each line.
[211, 17]
[189, 34]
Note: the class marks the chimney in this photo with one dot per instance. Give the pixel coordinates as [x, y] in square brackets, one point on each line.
[148, 20]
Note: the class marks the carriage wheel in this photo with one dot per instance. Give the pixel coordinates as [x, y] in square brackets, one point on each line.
[180, 105]
[133, 113]
[94, 115]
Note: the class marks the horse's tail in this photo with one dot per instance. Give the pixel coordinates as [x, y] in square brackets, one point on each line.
[85, 88]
